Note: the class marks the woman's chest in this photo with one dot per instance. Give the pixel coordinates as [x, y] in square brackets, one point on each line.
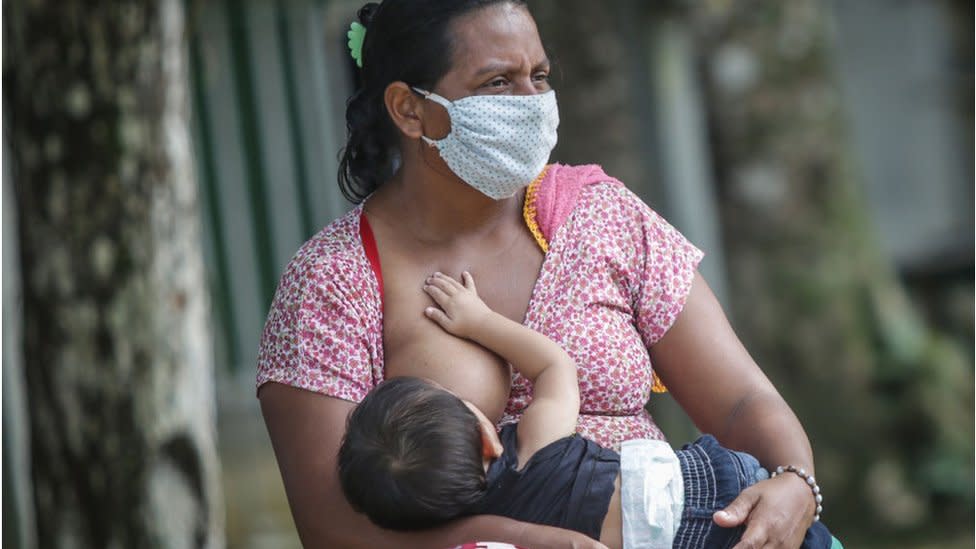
[414, 345]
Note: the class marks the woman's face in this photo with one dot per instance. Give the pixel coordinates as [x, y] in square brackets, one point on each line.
[497, 50]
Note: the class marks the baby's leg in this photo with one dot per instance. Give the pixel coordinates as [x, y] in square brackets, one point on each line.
[713, 477]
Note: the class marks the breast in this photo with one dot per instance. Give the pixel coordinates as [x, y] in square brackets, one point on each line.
[586, 308]
[473, 373]
[613, 366]
[414, 345]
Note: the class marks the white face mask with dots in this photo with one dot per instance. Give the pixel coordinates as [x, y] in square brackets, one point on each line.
[498, 144]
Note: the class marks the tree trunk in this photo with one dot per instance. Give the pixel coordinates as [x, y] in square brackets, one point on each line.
[117, 359]
[887, 401]
[590, 74]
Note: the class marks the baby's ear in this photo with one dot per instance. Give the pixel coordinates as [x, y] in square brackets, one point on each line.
[491, 447]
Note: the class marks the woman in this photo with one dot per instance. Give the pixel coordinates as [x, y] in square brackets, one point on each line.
[441, 183]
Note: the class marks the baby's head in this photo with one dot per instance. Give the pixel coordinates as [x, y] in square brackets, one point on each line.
[414, 455]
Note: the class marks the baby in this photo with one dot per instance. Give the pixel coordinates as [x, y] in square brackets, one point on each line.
[415, 455]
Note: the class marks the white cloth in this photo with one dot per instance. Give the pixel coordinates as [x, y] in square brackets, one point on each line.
[651, 494]
[498, 144]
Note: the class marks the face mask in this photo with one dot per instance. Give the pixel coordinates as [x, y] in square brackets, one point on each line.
[498, 144]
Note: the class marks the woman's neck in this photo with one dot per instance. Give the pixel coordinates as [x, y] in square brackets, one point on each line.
[435, 206]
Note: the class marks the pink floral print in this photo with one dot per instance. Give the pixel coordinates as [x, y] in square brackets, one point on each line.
[613, 281]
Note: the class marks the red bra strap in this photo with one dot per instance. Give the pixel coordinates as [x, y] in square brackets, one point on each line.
[372, 253]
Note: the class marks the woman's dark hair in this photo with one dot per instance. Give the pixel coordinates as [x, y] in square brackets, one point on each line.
[412, 456]
[408, 41]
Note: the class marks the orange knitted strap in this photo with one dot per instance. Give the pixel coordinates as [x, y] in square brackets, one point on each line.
[529, 211]
[657, 386]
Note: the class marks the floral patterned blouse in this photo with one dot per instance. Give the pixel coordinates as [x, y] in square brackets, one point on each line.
[614, 278]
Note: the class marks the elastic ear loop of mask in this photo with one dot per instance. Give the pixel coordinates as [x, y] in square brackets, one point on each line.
[436, 99]
[433, 97]
[431, 144]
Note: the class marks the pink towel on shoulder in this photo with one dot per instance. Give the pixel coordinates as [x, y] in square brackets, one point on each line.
[559, 190]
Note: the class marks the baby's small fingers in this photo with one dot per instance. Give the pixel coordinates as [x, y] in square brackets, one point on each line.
[442, 283]
[469, 281]
[436, 293]
[449, 280]
[437, 316]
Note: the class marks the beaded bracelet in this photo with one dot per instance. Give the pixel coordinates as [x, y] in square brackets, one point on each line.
[812, 482]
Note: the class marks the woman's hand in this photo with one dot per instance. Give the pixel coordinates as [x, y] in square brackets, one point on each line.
[461, 311]
[777, 513]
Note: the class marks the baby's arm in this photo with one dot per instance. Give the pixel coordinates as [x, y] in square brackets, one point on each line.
[555, 394]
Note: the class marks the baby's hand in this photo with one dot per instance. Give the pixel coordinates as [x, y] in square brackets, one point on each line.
[461, 311]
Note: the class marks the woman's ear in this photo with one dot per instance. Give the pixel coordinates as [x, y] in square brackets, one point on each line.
[406, 109]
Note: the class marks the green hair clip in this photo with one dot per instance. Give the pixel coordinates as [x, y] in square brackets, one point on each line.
[356, 34]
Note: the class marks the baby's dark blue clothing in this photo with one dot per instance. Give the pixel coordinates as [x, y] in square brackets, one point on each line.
[570, 482]
[567, 484]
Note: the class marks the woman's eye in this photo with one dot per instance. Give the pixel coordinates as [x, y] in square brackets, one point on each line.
[497, 83]
[541, 77]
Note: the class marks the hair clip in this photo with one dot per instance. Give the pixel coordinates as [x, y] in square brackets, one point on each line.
[356, 35]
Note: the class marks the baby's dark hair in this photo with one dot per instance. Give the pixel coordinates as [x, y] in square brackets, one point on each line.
[408, 41]
[412, 456]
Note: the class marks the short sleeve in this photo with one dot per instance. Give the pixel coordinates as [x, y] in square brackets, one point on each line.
[318, 333]
[667, 265]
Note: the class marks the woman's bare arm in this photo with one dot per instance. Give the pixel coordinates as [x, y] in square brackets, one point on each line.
[306, 430]
[723, 390]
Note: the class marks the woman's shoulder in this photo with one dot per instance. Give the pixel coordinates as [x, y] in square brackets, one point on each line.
[581, 191]
[334, 256]
[325, 323]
